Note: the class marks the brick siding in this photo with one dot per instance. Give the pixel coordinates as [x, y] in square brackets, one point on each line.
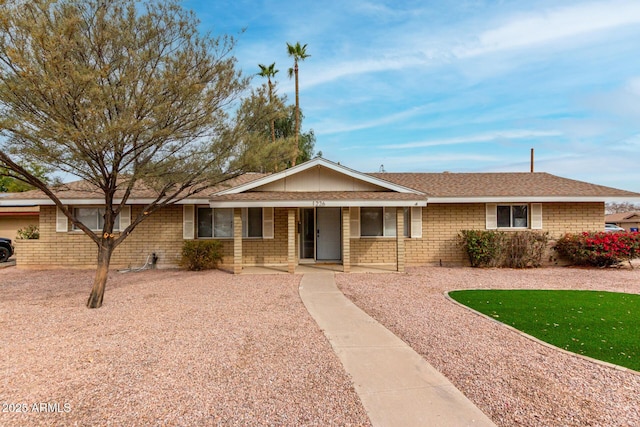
[161, 233]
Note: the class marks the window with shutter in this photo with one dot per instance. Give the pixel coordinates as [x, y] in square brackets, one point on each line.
[93, 217]
[252, 222]
[518, 216]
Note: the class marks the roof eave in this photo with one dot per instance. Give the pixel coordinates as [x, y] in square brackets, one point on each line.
[530, 199]
[315, 203]
[87, 202]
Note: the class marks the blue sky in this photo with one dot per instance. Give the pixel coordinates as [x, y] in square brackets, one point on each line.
[460, 86]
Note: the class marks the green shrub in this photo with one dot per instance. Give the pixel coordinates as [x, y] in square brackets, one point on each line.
[201, 254]
[491, 248]
[30, 232]
[483, 247]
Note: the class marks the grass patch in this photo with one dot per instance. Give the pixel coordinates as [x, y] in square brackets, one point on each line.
[602, 325]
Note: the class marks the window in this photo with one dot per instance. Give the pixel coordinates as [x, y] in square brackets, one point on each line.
[215, 222]
[252, 222]
[218, 223]
[223, 222]
[205, 222]
[376, 222]
[390, 222]
[93, 217]
[371, 220]
[512, 216]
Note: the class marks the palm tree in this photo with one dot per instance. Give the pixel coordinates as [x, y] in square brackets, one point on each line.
[269, 72]
[299, 53]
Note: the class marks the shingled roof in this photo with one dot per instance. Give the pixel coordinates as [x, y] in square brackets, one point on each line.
[421, 187]
[633, 216]
[504, 184]
[83, 190]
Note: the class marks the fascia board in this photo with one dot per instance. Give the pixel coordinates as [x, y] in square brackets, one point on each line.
[317, 203]
[537, 199]
[88, 202]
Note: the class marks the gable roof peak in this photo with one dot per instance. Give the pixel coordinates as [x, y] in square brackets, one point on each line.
[320, 162]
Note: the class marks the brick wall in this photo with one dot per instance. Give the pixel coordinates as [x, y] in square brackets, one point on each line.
[162, 233]
[441, 224]
[561, 218]
[268, 251]
[373, 250]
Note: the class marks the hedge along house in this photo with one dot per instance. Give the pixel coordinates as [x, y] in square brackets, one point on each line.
[322, 212]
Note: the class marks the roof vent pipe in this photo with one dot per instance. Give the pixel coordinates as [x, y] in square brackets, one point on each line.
[532, 160]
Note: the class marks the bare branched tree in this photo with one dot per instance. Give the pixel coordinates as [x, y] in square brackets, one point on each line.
[621, 207]
[120, 94]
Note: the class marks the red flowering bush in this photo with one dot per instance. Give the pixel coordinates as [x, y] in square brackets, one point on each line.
[600, 249]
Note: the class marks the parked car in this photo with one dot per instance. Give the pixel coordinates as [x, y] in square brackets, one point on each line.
[6, 249]
[612, 228]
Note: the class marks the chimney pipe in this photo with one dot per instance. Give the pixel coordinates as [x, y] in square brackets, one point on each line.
[532, 160]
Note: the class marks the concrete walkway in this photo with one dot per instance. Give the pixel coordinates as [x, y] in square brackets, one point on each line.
[396, 385]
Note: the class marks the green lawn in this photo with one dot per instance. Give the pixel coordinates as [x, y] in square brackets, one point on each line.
[602, 325]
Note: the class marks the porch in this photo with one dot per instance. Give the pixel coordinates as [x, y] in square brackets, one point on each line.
[315, 239]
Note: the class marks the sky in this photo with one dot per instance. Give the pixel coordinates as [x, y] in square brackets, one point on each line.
[459, 86]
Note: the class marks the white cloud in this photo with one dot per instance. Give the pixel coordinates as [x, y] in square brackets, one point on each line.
[621, 103]
[328, 127]
[320, 75]
[397, 50]
[630, 144]
[480, 138]
[423, 163]
[634, 86]
[547, 27]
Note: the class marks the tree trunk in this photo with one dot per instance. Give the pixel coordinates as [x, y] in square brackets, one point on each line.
[273, 122]
[104, 259]
[295, 149]
[273, 125]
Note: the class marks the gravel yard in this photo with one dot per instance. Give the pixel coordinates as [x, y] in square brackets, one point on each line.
[511, 378]
[167, 348]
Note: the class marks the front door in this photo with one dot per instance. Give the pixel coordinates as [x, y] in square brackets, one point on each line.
[328, 234]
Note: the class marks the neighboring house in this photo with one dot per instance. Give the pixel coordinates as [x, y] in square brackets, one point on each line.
[626, 220]
[13, 218]
[319, 212]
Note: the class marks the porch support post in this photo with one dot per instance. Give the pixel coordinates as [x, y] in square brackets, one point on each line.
[346, 240]
[237, 240]
[291, 240]
[400, 239]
